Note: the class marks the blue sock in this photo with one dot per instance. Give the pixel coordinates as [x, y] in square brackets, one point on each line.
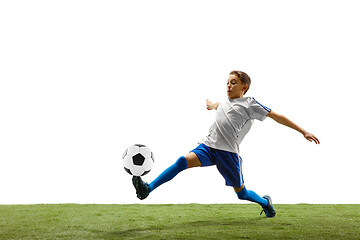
[169, 173]
[249, 195]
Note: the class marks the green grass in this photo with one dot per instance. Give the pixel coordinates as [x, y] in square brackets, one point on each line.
[188, 221]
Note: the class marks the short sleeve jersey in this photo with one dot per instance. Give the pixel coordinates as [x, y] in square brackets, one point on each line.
[233, 121]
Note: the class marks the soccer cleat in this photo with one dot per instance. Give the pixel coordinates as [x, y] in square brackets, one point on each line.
[142, 188]
[269, 209]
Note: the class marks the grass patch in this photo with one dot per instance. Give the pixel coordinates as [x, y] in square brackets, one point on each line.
[180, 221]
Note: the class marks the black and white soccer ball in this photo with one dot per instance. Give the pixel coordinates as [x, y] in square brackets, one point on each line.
[138, 160]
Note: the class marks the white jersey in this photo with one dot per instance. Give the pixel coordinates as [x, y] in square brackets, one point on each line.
[233, 121]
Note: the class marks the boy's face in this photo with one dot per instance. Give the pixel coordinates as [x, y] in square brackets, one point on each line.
[235, 88]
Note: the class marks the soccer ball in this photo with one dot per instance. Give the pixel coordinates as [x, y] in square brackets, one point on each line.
[138, 160]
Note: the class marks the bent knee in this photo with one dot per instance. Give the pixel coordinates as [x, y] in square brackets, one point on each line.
[182, 163]
[241, 192]
[239, 189]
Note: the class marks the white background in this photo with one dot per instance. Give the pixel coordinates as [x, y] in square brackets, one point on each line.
[80, 81]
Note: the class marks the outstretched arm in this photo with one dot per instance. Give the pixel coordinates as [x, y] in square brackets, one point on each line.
[287, 122]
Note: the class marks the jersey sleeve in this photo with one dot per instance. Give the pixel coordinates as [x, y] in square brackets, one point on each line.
[257, 110]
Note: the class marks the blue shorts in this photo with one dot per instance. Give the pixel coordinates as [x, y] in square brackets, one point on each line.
[228, 163]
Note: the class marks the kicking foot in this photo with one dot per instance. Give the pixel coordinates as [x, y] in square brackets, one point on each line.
[142, 188]
[269, 209]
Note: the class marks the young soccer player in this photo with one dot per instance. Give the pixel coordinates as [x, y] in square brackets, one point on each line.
[233, 120]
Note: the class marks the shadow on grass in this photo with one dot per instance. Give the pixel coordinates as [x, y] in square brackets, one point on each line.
[191, 226]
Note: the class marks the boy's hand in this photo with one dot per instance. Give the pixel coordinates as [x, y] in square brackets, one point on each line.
[210, 105]
[311, 137]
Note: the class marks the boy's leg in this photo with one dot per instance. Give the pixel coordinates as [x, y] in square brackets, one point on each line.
[249, 195]
[190, 160]
[143, 189]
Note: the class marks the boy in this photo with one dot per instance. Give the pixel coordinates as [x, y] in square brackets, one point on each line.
[233, 120]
